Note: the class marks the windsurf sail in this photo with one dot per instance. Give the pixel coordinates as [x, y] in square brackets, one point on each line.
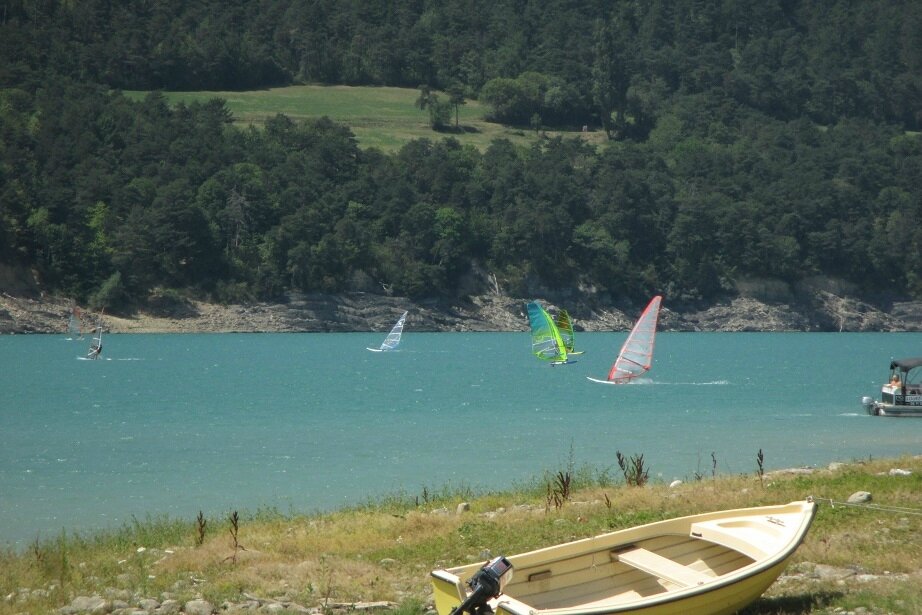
[565, 326]
[393, 338]
[546, 343]
[636, 354]
[96, 347]
[75, 325]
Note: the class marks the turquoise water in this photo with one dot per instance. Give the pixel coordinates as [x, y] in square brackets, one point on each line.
[174, 424]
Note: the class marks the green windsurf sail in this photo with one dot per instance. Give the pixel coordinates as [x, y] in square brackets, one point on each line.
[546, 343]
[565, 326]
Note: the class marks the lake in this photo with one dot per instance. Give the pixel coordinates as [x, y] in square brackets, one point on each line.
[174, 424]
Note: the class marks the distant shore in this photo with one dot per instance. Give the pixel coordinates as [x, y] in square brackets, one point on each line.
[368, 312]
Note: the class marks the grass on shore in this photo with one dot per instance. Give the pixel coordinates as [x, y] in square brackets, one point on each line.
[383, 117]
[383, 551]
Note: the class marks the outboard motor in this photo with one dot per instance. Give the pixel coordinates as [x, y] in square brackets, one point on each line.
[868, 404]
[487, 583]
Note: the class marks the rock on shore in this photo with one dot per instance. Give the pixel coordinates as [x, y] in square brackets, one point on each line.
[823, 311]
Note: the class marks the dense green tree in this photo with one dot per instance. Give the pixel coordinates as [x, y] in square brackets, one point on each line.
[751, 139]
[611, 73]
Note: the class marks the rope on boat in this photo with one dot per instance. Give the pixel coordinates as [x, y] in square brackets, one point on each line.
[902, 510]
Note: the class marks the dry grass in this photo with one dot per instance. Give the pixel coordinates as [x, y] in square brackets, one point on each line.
[385, 552]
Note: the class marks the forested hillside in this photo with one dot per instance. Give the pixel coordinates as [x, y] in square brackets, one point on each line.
[747, 139]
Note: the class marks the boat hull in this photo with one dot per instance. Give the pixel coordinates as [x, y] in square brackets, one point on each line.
[894, 403]
[710, 564]
[877, 408]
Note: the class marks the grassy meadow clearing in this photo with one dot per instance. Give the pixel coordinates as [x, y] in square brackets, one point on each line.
[381, 117]
[384, 550]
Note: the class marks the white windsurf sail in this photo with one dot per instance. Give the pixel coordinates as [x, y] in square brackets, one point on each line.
[636, 356]
[75, 325]
[392, 341]
[96, 347]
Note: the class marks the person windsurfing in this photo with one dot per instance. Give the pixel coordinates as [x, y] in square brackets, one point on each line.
[96, 347]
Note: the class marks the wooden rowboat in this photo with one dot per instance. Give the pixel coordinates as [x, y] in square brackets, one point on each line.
[708, 564]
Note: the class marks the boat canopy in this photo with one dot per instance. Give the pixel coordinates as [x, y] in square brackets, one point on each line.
[904, 365]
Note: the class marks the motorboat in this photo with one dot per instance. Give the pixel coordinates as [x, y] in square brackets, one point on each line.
[902, 393]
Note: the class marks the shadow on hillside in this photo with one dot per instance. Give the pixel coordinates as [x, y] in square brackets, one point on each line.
[169, 305]
[457, 130]
[801, 604]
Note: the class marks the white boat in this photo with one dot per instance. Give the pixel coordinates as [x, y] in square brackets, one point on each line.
[707, 564]
[902, 394]
[392, 341]
[636, 355]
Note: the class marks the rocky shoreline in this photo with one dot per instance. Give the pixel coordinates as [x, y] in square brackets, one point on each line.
[824, 311]
[123, 602]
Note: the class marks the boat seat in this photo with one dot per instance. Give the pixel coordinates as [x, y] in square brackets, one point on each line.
[661, 567]
[508, 604]
[449, 589]
[747, 540]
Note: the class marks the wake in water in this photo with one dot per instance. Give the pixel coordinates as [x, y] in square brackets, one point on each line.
[627, 383]
[697, 384]
[648, 381]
